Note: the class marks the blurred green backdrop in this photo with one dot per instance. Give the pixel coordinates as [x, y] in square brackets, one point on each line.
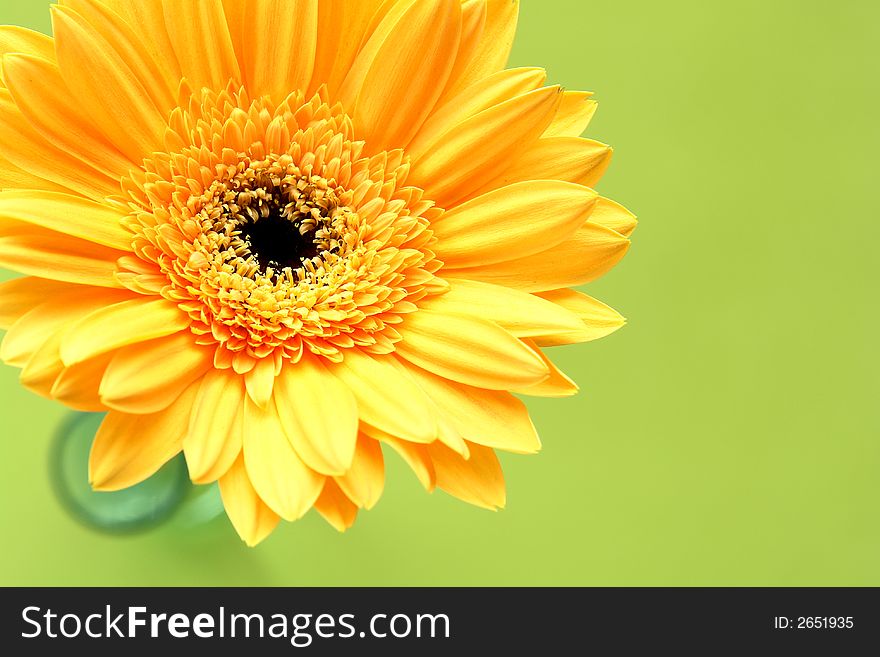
[728, 435]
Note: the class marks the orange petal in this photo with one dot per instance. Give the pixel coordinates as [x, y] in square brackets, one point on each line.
[523, 315]
[260, 380]
[468, 350]
[581, 161]
[39, 252]
[417, 458]
[77, 385]
[153, 67]
[147, 377]
[26, 148]
[13, 177]
[614, 216]
[513, 222]
[598, 319]
[130, 448]
[386, 397]
[282, 480]
[401, 71]
[108, 89]
[278, 46]
[335, 507]
[20, 295]
[493, 418]
[44, 367]
[477, 480]
[201, 38]
[213, 441]
[319, 415]
[119, 325]
[66, 214]
[15, 39]
[477, 98]
[250, 516]
[555, 385]
[465, 160]
[573, 116]
[148, 20]
[493, 48]
[473, 24]
[590, 253]
[35, 326]
[365, 480]
[342, 28]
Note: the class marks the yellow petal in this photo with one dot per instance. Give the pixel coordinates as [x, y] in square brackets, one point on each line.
[279, 42]
[159, 79]
[148, 20]
[67, 214]
[473, 24]
[468, 350]
[121, 324]
[408, 66]
[38, 252]
[77, 385]
[252, 519]
[478, 480]
[386, 397]
[13, 177]
[36, 325]
[555, 385]
[260, 380]
[523, 315]
[590, 253]
[44, 367]
[614, 216]
[581, 161]
[492, 418]
[573, 115]
[342, 26]
[20, 295]
[446, 432]
[130, 448]
[365, 480]
[493, 49]
[477, 98]
[417, 458]
[107, 89]
[147, 377]
[512, 222]
[335, 507]
[213, 441]
[279, 476]
[22, 145]
[319, 415]
[201, 38]
[598, 319]
[236, 21]
[465, 159]
[15, 39]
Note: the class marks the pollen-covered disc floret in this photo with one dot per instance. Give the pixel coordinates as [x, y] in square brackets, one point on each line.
[273, 230]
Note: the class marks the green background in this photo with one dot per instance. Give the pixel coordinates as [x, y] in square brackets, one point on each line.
[728, 435]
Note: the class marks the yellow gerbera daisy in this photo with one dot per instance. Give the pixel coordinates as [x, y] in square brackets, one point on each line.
[275, 234]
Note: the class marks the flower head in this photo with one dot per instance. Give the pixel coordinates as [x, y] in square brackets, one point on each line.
[276, 234]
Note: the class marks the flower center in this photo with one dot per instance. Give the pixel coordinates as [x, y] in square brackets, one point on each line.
[277, 242]
[281, 221]
[277, 234]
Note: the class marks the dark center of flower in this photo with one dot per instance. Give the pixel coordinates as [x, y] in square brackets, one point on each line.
[281, 223]
[278, 241]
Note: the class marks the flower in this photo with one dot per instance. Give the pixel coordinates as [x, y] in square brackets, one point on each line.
[275, 235]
